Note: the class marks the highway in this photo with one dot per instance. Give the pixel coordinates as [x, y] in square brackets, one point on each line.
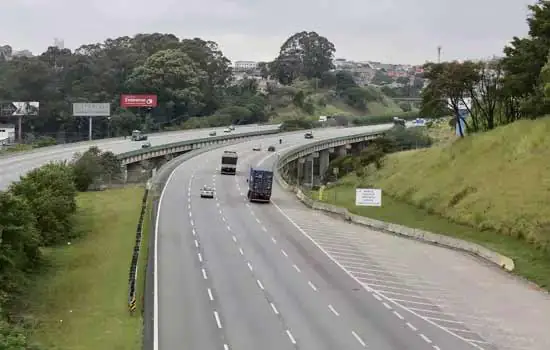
[15, 165]
[236, 275]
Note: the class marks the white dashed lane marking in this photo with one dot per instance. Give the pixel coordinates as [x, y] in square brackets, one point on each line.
[333, 310]
[358, 339]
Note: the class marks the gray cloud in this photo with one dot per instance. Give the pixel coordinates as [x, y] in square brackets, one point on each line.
[405, 31]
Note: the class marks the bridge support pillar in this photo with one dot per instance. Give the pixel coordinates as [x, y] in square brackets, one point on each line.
[324, 160]
[125, 173]
[341, 151]
[300, 169]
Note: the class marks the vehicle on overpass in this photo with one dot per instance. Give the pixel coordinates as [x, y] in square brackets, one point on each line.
[212, 133]
[260, 184]
[137, 135]
[232, 127]
[146, 144]
[229, 162]
[207, 192]
[271, 148]
[399, 122]
[226, 130]
[308, 135]
[257, 148]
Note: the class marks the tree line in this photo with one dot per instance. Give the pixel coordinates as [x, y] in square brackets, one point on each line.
[38, 212]
[500, 90]
[191, 77]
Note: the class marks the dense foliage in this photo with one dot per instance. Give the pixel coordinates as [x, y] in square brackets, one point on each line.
[395, 140]
[189, 76]
[38, 212]
[502, 90]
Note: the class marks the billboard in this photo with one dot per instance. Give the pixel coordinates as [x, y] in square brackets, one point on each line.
[127, 101]
[91, 109]
[11, 109]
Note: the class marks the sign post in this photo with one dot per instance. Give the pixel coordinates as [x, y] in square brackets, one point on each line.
[91, 110]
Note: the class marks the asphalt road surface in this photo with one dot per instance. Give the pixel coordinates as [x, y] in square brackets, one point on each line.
[16, 165]
[238, 275]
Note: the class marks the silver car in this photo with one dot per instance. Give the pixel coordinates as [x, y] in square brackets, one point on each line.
[207, 192]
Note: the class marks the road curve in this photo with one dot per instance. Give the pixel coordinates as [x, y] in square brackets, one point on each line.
[15, 165]
[234, 275]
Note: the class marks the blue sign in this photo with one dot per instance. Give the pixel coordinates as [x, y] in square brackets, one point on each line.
[461, 122]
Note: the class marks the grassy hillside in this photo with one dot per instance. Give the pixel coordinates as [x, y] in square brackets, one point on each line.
[326, 102]
[492, 188]
[499, 180]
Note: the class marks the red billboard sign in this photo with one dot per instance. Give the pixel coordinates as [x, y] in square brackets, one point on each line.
[138, 101]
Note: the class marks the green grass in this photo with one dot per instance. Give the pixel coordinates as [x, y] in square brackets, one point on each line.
[491, 188]
[80, 303]
[530, 263]
[17, 148]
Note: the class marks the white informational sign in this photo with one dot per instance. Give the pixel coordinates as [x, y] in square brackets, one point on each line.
[368, 197]
[91, 109]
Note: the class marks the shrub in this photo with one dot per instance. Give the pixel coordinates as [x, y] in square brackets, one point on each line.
[94, 167]
[51, 194]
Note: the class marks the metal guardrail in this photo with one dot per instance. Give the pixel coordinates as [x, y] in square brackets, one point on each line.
[316, 146]
[189, 143]
[134, 264]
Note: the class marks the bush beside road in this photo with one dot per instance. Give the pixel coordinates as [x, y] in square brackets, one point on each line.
[491, 189]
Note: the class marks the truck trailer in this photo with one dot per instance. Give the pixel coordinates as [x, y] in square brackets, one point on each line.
[229, 162]
[260, 183]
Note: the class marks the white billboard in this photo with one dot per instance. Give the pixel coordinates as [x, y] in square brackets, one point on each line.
[91, 109]
[368, 197]
[26, 108]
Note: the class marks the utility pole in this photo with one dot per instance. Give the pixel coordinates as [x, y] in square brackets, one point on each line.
[439, 54]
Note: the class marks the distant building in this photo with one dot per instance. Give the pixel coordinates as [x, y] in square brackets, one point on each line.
[22, 53]
[245, 65]
[7, 134]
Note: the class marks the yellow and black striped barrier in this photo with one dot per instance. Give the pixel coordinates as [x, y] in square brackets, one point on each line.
[132, 305]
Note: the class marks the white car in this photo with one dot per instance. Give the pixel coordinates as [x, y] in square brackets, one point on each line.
[207, 192]
[227, 130]
[257, 148]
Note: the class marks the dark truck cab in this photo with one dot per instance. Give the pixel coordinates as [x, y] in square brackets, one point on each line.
[229, 162]
[260, 183]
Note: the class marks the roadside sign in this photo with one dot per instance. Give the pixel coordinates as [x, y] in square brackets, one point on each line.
[26, 108]
[7, 109]
[149, 101]
[11, 109]
[368, 197]
[91, 109]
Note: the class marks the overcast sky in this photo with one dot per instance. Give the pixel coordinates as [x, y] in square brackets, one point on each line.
[391, 31]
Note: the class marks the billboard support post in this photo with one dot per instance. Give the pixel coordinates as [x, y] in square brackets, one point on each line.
[90, 128]
[91, 110]
[20, 128]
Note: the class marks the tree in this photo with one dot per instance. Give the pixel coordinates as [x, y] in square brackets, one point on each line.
[381, 78]
[173, 76]
[51, 195]
[303, 54]
[451, 82]
[264, 69]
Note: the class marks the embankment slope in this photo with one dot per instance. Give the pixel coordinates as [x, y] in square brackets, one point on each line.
[499, 180]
